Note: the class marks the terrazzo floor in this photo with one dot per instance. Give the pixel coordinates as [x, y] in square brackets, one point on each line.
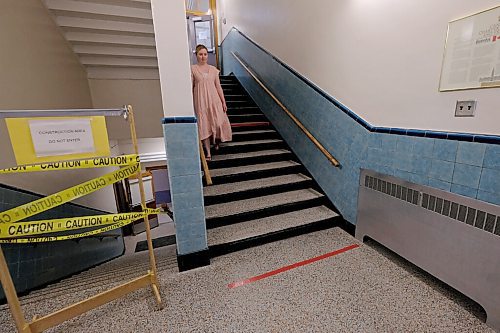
[367, 289]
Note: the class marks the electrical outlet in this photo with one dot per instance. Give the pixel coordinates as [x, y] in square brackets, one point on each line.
[465, 108]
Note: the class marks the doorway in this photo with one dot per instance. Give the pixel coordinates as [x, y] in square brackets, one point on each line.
[200, 30]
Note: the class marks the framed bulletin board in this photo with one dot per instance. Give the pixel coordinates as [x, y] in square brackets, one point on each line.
[472, 52]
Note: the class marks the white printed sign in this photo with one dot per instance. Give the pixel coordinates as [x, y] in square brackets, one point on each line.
[62, 137]
[472, 53]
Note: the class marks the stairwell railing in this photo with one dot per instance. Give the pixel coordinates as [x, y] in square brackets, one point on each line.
[325, 152]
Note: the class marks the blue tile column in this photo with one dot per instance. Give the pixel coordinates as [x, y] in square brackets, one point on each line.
[184, 171]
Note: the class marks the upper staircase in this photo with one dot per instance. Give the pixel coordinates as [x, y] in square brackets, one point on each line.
[261, 192]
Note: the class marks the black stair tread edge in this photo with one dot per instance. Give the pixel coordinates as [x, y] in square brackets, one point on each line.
[237, 192]
[241, 113]
[246, 115]
[220, 221]
[264, 152]
[240, 106]
[213, 190]
[251, 160]
[257, 174]
[157, 242]
[213, 199]
[262, 202]
[233, 171]
[257, 131]
[245, 126]
[255, 227]
[226, 248]
[249, 142]
[250, 147]
[249, 100]
[250, 136]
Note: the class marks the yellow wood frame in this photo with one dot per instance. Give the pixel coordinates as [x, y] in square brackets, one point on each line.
[39, 324]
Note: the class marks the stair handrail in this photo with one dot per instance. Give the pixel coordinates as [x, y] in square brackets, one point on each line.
[325, 152]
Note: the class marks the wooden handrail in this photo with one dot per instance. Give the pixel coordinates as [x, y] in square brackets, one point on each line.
[325, 152]
[204, 164]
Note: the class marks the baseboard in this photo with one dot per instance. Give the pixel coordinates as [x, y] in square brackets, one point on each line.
[194, 260]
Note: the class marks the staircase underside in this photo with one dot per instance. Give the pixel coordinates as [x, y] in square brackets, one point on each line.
[112, 38]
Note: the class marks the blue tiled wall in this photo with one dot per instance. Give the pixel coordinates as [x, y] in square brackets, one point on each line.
[425, 157]
[183, 159]
[34, 265]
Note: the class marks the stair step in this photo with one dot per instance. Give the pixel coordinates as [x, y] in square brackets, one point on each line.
[253, 157]
[239, 127]
[232, 90]
[256, 134]
[242, 102]
[236, 97]
[243, 110]
[112, 273]
[90, 279]
[228, 79]
[252, 145]
[249, 117]
[256, 187]
[248, 209]
[258, 153]
[252, 168]
[266, 225]
[241, 107]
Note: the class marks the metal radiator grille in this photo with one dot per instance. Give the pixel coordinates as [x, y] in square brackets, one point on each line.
[480, 219]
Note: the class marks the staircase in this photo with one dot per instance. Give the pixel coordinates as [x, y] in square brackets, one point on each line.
[91, 282]
[261, 193]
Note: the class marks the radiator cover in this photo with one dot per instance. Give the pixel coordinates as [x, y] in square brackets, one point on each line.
[454, 238]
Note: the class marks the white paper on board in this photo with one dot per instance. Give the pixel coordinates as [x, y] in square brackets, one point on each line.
[62, 137]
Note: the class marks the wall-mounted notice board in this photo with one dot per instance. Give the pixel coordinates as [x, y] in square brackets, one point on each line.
[472, 52]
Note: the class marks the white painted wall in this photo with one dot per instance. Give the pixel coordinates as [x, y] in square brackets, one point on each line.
[143, 95]
[38, 70]
[172, 49]
[382, 59]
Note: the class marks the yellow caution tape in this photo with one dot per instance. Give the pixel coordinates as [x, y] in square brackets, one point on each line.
[151, 211]
[125, 160]
[23, 229]
[68, 237]
[35, 207]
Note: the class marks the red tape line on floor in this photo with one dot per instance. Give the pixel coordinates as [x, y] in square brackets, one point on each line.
[292, 266]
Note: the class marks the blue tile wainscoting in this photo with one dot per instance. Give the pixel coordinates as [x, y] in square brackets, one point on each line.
[36, 265]
[186, 189]
[466, 164]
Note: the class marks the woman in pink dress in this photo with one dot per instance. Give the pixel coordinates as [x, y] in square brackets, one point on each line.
[209, 103]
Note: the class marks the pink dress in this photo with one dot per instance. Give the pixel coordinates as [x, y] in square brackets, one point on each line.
[212, 120]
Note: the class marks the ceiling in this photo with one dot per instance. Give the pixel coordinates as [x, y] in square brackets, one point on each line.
[114, 39]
